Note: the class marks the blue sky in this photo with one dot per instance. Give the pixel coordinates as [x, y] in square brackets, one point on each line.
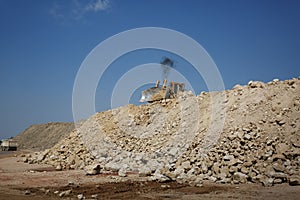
[43, 43]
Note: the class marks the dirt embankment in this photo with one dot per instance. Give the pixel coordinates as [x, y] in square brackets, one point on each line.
[169, 150]
[43, 136]
[178, 139]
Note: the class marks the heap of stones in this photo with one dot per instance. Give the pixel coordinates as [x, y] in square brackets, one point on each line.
[259, 143]
[242, 156]
[69, 153]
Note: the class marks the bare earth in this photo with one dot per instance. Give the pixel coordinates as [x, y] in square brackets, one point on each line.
[259, 144]
[42, 181]
[39, 137]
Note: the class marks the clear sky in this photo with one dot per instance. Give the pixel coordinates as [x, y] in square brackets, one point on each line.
[43, 43]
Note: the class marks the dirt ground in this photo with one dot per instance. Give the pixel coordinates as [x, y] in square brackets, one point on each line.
[19, 180]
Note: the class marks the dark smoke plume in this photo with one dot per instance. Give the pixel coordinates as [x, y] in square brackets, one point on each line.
[166, 65]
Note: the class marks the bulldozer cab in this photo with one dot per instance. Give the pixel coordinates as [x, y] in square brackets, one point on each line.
[158, 92]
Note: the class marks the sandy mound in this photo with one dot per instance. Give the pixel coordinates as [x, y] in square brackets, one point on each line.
[247, 134]
[43, 136]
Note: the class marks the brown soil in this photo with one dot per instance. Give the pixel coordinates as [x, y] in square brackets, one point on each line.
[43, 182]
[43, 136]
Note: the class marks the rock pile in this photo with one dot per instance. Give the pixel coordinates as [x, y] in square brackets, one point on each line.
[69, 153]
[242, 155]
[178, 140]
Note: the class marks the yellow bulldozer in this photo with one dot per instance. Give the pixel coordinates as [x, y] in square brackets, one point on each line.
[158, 92]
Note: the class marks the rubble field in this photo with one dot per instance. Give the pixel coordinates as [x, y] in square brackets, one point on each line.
[246, 137]
[22, 181]
[259, 141]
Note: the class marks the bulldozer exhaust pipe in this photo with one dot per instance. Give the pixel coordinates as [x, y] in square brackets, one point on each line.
[157, 83]
[165, 83]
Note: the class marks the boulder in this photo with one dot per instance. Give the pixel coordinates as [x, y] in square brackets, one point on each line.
[239, 177]
[92, 169]
[294, 180]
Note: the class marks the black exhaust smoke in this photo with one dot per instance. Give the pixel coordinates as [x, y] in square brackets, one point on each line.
[166, 65]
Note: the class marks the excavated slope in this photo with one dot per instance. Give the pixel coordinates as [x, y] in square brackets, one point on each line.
[180, 139]
[43, 136]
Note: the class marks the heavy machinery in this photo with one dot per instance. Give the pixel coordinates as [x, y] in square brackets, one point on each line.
[158, 92]
[9, 145]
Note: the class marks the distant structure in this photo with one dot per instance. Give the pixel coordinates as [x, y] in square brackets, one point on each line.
[9, 145]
